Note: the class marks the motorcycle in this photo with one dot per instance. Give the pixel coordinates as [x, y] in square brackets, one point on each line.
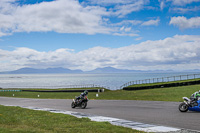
[80, 102]
[190, 105]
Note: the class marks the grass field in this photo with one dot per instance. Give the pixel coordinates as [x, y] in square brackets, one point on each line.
[161, 83]
[160, 94]
[19, 120]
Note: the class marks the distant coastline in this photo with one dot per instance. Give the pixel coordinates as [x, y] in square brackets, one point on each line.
[66, 70]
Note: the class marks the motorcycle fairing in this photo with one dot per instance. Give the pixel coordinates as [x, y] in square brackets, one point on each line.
[195, 108]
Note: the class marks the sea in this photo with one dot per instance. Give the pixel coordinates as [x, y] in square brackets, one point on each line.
[112, 81]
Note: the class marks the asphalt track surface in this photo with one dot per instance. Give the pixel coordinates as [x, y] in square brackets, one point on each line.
[149, 112]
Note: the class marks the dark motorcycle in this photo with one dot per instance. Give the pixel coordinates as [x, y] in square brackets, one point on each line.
[190, 105]
[80, 102]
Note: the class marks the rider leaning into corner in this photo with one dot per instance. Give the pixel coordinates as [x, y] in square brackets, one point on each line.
[194, 97]
[81, 97]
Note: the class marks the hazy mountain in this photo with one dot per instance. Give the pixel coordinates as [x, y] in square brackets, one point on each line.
[65, 70]
[112, 70]
[48, 70]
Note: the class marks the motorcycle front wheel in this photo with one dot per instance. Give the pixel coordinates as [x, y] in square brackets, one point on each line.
[73, 105]
[183, 107]
[83, 105]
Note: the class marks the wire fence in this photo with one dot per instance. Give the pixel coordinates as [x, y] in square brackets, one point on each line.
[163, 79]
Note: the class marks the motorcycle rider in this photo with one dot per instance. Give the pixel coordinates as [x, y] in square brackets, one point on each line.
[194, 98]
[81, 97]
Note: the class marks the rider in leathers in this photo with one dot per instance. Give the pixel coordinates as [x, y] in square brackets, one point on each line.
[194, 98]
[81, 97]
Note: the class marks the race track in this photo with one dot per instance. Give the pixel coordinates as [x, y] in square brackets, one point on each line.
[151, 112]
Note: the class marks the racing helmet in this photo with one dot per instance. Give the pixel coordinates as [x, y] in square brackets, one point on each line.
[85, 92]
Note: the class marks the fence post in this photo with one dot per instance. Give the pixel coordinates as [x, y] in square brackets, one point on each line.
[153, 80]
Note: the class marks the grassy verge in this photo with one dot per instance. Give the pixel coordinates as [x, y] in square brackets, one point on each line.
[161, 83]
[16, 119]
[159, 94]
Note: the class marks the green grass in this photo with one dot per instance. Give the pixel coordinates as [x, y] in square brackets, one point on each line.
[159, 94]
[19, 120]
[161, 83]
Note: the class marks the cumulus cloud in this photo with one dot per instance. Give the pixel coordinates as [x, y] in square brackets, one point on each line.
[63, 16]
[179, 52]
[184, 23]
[151, 22]
[67, 16]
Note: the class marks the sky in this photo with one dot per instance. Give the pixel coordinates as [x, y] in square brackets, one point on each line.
[90, 34]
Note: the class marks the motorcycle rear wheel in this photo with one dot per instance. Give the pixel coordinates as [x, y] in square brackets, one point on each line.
[83, 105]
[183, 107]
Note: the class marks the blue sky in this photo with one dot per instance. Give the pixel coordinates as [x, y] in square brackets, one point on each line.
[88, 34]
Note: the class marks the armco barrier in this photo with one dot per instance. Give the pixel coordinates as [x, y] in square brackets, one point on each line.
[10, 90]
[90, 90]
[162, 79]
[163, 85]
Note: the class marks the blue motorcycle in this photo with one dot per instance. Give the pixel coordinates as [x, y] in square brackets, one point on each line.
[190, 105]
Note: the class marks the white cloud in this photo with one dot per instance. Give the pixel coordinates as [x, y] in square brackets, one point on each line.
[68, 16]
[127, 27]
[185, 9]
[184, 23]
[182, 2]
[63, 16]
[162, 4]
[178, 53]
[125, 31]
[110, 2]
[181, 6]
[128, 22]
[151, 22]
[139, 38]
[125, 34]
[121, 8]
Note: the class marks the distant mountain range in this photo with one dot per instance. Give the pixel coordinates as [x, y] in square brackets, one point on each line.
[112, 70]
[37, 71]
[65, 70]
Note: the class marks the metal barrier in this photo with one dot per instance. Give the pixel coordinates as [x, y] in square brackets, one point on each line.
[56, 87]
[10, 90]
[163, 79]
